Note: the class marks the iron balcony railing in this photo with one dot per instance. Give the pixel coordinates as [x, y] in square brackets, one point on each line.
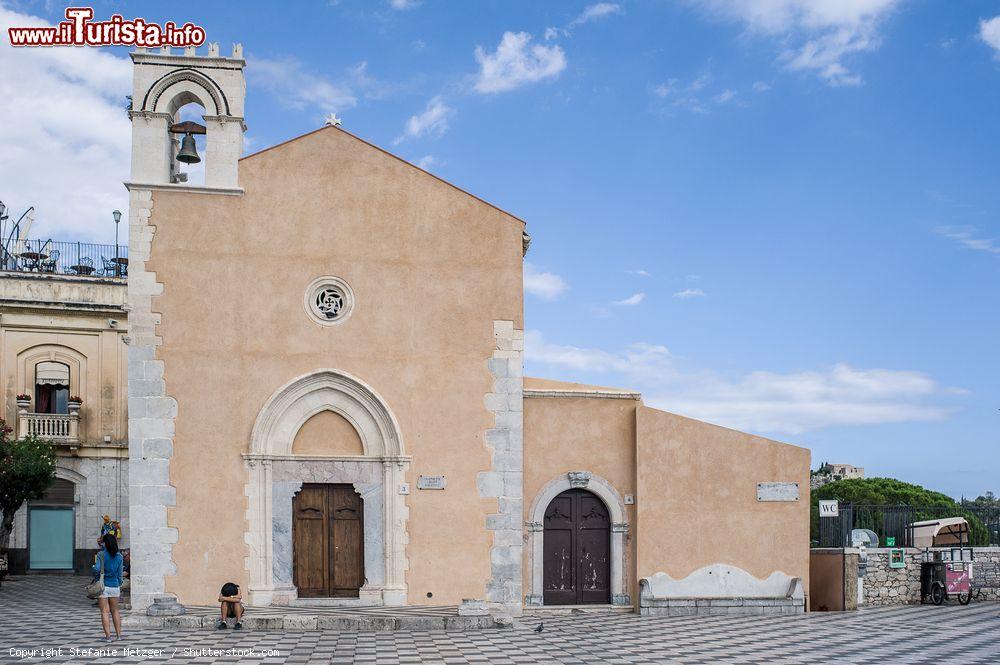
[66, 258]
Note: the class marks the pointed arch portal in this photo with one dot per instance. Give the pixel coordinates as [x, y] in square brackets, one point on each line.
[276, 476]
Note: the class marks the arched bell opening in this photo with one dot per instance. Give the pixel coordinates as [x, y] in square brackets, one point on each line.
[188, 143]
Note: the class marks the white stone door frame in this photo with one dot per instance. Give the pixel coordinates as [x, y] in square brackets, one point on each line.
[535, 531]
[271, 440]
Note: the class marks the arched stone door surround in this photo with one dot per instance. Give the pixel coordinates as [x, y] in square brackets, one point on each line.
[534, 529]
[276, 475]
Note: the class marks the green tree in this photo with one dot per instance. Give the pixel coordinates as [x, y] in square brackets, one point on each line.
[988, 501]
[27, 468]
[928, 504]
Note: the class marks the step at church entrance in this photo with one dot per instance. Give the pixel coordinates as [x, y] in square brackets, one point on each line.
[328, 541]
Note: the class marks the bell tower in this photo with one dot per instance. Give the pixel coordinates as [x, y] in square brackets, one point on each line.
[163, 82]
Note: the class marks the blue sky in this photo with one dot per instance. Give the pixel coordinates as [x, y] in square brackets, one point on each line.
[777, 215]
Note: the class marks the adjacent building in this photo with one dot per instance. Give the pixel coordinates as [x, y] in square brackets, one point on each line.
[63, 347]
[828, 473]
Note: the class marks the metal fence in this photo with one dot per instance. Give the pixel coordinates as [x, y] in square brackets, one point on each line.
[69, 258]
[890, 521]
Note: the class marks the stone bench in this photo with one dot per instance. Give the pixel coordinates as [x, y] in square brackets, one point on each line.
[720, 589]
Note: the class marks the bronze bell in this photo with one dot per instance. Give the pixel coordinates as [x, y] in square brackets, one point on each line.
[189, 151]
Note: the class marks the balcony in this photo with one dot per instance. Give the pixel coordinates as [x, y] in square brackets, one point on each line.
[59, 428]
[65, 258]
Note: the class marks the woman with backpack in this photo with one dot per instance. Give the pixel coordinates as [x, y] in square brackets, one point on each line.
[110, 566]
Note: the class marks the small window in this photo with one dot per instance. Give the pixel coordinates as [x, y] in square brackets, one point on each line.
[51, 388]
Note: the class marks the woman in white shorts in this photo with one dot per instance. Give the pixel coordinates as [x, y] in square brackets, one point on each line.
[114, 569]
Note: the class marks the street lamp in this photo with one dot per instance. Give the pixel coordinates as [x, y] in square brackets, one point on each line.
[117, 214]
[3, 218]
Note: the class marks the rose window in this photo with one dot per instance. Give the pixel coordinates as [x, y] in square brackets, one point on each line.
[329, 300]
[329, 303]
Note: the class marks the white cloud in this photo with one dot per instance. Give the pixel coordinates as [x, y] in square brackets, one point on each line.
[678, 95]
[427, 162]
[433, 120]
[553, 33]
[544, 285]
[820, 36]
[517, 62]
[295, 87]
[989, 32]
[631, 301]
[594, 12]
[796, 402]
[65, 136]
[766, 402]
[639, 272]
[664, 90]
[967, 237]
[725, 96]
[690, 293]
[700, 82]
[761, 86]
[403, 5]
[637, 358]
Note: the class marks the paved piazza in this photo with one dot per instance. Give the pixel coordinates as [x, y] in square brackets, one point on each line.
[49, 612]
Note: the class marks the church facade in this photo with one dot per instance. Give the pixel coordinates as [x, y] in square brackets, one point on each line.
[327, 401]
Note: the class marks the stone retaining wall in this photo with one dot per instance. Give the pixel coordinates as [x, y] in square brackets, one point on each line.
[899, 586]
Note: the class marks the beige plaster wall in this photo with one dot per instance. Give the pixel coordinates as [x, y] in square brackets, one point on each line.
[327, 433]
[563, 434]
[697, 499]
[83, 340]
[431, 267]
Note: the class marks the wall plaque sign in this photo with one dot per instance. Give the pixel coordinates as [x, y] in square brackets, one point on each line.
[431, 482]
[777, 491]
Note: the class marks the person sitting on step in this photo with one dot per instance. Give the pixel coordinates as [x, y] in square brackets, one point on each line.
[232, 605]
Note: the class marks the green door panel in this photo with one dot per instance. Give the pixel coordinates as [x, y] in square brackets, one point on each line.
[50, 538]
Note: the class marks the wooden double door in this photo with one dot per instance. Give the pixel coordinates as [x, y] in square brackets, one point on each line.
[328, 541]
[576, 549]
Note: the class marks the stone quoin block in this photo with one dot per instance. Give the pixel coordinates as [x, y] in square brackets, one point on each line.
[504, 481]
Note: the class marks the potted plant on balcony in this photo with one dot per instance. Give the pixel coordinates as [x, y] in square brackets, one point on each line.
[23, 401]
[74, 403]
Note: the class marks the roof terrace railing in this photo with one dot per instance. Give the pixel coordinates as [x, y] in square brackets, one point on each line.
[66, 258]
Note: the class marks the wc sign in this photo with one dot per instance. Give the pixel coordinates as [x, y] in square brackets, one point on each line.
[829, 508]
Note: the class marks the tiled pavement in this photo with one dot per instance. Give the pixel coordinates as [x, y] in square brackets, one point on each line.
[50, 612]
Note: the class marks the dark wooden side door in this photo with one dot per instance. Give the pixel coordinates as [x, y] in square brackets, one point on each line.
[328, 541]
[577, 545]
